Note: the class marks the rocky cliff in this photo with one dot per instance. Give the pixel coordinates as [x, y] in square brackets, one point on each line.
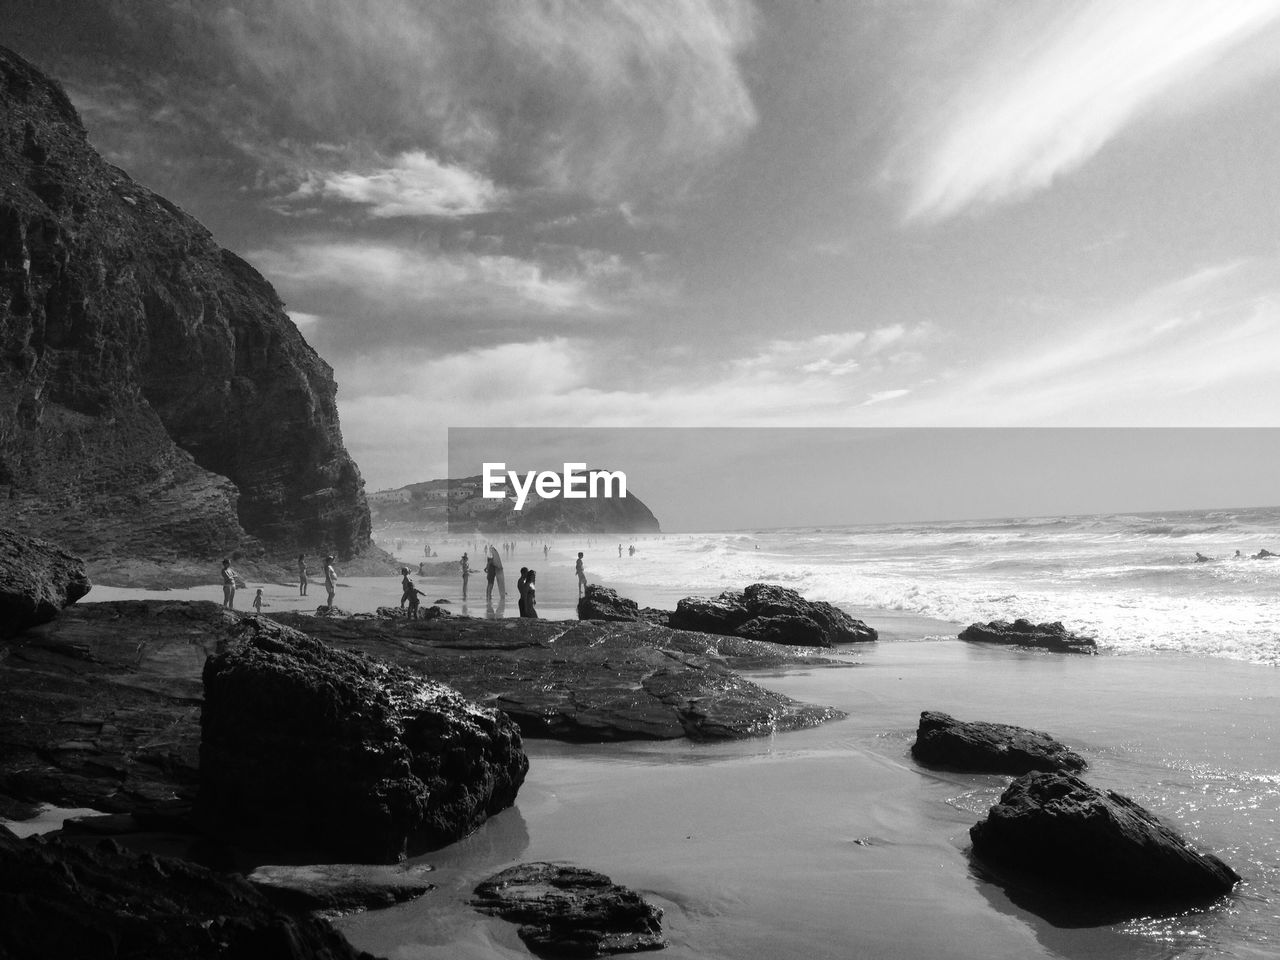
[156, 402]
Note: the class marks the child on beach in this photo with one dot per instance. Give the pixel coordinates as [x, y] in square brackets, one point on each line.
[411, 594]
[257, 601]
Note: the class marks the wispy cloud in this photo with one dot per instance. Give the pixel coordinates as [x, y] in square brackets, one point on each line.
[1198, 351]
[414, 184]
[1061, 84]
[464, 282]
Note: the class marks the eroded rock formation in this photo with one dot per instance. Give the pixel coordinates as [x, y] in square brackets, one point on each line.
[566, 911]
[37, 579]
[68, 900]
[765, 611]
[305, 748]
[156, 402]
[1089, 844]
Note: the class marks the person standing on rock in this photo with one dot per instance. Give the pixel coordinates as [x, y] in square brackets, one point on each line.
[582, 575]
[228, 585]
[329, 580]
[302, 575]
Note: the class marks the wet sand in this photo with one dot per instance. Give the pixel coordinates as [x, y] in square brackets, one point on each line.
[833, 843]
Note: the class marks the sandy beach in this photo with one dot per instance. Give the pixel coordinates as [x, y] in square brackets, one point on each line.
[832, 841]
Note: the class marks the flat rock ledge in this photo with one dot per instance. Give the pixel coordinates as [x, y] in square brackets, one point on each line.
[978, 747]
[1023, 633]
[591, 681]
[566, 911]
[322, 753]
[765, 611]
[69, 900]
[37, 579]
[1087, 845]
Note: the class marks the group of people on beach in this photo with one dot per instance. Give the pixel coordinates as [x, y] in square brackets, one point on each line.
[231, 580]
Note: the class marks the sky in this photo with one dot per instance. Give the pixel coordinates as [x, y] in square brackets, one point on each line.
[720, 213]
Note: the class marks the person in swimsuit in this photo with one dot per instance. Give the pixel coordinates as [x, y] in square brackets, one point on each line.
[228, 585]
[330, 578]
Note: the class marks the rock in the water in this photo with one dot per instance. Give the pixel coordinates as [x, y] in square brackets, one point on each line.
[137, 357]
[37, 579]
[64, 900]
[765, 611]
[944, 741]
[1024, 633]
[305, 748]
[1087, 843]
[602, 603]
[571, 912]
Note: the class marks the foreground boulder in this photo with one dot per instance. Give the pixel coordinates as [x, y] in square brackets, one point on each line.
[69, 901]
[765, 611]
[602, 603]
[310, 750]
[1024, 633]
[944, 741]
[37, 579]
[1091, 844]
[571, 912]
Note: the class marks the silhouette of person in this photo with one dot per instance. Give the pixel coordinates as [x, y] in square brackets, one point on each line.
[228, 585]
[582, 575]
[330, 578]
[530, 608]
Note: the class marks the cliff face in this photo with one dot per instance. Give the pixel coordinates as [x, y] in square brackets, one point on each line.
[155, 400]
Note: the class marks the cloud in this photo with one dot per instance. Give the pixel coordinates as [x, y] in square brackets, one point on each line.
[573, 96]
[362, 276]
[1197, 351]
[413, 185]
[1060, 86]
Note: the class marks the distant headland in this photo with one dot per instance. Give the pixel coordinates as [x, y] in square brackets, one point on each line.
[458, 506]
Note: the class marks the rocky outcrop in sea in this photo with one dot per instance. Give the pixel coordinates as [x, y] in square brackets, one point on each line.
[765, 611]
[159, 409]
[1023, 633]
[944, 741]
[1075, 846]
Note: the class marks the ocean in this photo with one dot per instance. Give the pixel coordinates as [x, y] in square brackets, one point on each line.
[1130, 580]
